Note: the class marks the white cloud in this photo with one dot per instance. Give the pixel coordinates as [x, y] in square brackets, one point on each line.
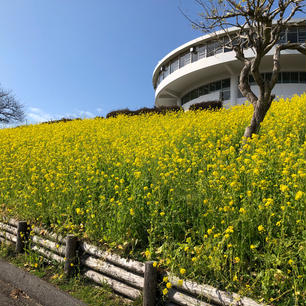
[100, 111]
[37, 115]
[84, 114]
[34, 109]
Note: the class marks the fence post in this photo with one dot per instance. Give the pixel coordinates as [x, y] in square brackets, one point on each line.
[150, 284]
[70, 254]
[22, 236]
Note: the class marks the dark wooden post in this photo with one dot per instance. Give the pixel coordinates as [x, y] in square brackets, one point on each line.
[22, 236]
[150, 284]
[70, 255]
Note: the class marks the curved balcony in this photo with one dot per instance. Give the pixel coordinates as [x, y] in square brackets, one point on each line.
[205, 60]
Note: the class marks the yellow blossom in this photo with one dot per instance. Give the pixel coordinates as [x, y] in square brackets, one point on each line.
[242, 210]
[298, 195]
[283, 188]
[182, 271]
[260, 228]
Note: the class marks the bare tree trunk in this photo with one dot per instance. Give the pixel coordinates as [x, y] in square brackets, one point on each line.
[260, 109]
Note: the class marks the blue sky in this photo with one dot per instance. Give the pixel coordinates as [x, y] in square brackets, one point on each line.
[83, 58]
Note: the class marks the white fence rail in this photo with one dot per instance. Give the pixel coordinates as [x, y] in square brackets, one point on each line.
[128, 278]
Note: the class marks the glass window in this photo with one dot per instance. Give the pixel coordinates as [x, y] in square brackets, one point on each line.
[236, 40]
[212, 87]
[302, 35]
[194, 94]
[201, 51]
[268, 76]
[160, 77]
[186, 98]
[226, 94]
[292, 35]
[174, 65]
[195, 55]
[210, 49]
[282, 37]
[218, 47]
[203, 90]
[218, 85]
[302, 77]
[188, 58]
[226, 83]
[185, 59]
[226, 48]
[286, 77]
[182, 61]
[280, 77]
[166, 70]
[294, 77]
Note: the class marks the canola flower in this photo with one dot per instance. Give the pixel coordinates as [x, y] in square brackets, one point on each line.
[177, 189]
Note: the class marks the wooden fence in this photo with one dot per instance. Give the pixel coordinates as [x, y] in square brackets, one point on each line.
[128, 278]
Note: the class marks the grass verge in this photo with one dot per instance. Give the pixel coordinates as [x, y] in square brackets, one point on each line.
[78, 286]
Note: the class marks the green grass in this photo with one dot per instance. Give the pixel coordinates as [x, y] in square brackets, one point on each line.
[78, 286]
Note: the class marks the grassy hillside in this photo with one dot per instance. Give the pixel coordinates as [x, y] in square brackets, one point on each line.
[176, 189]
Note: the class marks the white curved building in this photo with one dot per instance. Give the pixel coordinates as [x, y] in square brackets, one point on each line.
[203, 70]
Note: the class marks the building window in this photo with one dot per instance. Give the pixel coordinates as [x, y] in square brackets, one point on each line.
[210, 49]
[226, 47]
[302, 34]
[186, 98]
[204, 90]
[194, 94]
[223, 86]
[286, 77]
[268, 76]
[201, 51]
[283, 77]
[194, 55]
[166, 71]
[185, 59]
[226, 94]
[294, 77]
[160, 78]
[218, 47]
[226, 83]
[174, 65]
[293, 34]
[302, 77]
[282, 37]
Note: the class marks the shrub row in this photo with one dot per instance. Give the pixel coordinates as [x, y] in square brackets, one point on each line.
[210, 105]
[145, 110]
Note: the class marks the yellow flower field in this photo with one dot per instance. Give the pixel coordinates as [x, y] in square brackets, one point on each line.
[176, 189]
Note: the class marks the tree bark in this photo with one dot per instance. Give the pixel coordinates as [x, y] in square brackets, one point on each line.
[260, 109]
